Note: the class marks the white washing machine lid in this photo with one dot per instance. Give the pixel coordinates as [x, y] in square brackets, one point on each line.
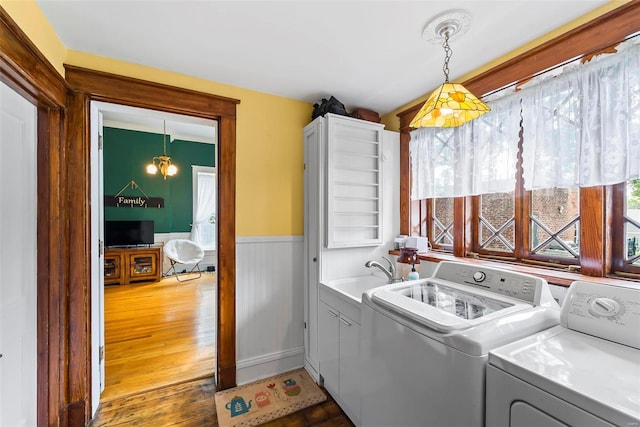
[445, 308]
[599, 376]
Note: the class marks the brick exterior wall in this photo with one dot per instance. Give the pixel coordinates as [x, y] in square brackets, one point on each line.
[553, 207]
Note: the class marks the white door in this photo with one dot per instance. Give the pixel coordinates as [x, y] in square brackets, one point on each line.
[97, 259]
[18, 193]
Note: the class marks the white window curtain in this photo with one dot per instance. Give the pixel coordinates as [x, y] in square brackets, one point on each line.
[610, 151]
[583, 127]
[433, 159]
[495, 137]
[551, 125]
[204, 209]
[477, 158]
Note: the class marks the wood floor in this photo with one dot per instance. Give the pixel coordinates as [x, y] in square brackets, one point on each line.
[157, 334]
[160, 359]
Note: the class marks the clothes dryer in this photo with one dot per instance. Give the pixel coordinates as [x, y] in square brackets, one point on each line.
[583, 372]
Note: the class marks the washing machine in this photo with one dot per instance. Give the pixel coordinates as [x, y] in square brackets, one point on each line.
[583, 372]
[425, 343]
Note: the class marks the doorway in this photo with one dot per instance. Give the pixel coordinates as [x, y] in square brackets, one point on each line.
[117, 127]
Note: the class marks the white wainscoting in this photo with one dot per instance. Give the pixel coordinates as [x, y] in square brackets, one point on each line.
[269, 306]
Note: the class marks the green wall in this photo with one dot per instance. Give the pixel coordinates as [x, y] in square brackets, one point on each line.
[126, 155]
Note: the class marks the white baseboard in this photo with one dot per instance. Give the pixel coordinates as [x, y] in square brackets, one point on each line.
[256, 368]
[312, 371]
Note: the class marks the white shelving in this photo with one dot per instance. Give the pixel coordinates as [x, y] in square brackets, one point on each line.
[353, 182]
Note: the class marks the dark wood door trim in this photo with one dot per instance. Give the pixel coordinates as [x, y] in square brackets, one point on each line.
[63, 276]
[140, 93]
[26, 70]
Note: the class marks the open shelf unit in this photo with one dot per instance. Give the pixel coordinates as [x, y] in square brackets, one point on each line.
[354, 177]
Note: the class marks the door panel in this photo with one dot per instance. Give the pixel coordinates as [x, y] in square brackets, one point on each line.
[18, 334]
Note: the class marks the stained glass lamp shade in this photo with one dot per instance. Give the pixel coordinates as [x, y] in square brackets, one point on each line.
[451, 104]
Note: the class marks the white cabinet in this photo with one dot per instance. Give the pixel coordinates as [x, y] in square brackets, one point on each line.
[329, 339]
[348, 181]
[313, 204]
[339, 356]
[342, 202]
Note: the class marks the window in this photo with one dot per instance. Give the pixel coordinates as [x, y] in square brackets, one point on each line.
[578, 136]
[625, 219]
[436, 222]
[631, 219]
[495, 222]
[554, 222]
[203, 229]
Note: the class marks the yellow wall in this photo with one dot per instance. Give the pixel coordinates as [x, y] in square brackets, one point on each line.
[269, 195]
[269, 128]
[269, 147]
[391, 119]
[35, 25]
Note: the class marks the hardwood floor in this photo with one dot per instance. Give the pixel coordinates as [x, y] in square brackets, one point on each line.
[187, 404]
[192, 404]
[160, 359]
[157, 334]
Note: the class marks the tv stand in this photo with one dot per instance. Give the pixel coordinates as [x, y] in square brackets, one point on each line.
[135, 264]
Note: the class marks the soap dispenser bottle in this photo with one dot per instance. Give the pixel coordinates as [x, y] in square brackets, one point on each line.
[413, 275]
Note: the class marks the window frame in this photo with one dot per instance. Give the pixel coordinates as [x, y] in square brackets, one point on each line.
[616, 209]
[597, 229]
[195, 171]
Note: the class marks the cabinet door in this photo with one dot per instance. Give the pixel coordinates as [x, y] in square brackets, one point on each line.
[113, 268]
[354, 182]
[329, 347]
[350, 367]
[312, 241]
[142, 265]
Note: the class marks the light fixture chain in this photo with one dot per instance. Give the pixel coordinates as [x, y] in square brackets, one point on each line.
[447, 56]
[164, 137]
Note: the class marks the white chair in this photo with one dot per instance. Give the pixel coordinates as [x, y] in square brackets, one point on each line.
[183, 251]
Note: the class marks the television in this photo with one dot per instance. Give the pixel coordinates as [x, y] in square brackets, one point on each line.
[128, 233]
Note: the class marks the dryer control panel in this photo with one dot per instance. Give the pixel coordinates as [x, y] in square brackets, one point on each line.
[604, 311]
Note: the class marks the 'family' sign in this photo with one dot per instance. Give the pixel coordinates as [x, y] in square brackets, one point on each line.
[134, 201]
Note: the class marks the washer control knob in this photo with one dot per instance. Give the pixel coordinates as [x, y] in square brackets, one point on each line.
[479, 276]
[604, 307]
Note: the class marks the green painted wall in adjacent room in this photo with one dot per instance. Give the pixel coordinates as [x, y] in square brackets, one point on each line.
[126, 154]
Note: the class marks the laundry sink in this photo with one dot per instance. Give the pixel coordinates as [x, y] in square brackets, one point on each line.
[353, 287]
[345, 295]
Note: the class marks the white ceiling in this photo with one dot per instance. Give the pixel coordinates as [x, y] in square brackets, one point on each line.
[368, 54]
[177, 126]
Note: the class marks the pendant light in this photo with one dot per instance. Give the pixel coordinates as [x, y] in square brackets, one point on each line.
[451, 104]
[162, 163]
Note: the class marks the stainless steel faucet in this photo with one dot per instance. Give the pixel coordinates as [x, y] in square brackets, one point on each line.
[390, 273]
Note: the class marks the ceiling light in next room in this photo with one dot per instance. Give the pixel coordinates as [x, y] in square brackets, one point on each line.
[162, 163]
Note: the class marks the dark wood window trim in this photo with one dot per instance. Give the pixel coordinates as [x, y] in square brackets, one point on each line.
[616, 195]
[594, 36]
[553, 276]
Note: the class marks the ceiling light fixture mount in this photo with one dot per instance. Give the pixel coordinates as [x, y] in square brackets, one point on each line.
[164, 162]
[451, 104]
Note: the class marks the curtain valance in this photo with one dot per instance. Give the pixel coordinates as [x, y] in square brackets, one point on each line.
[580, 128]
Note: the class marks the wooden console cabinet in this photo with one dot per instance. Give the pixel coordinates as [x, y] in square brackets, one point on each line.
[126, 265]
